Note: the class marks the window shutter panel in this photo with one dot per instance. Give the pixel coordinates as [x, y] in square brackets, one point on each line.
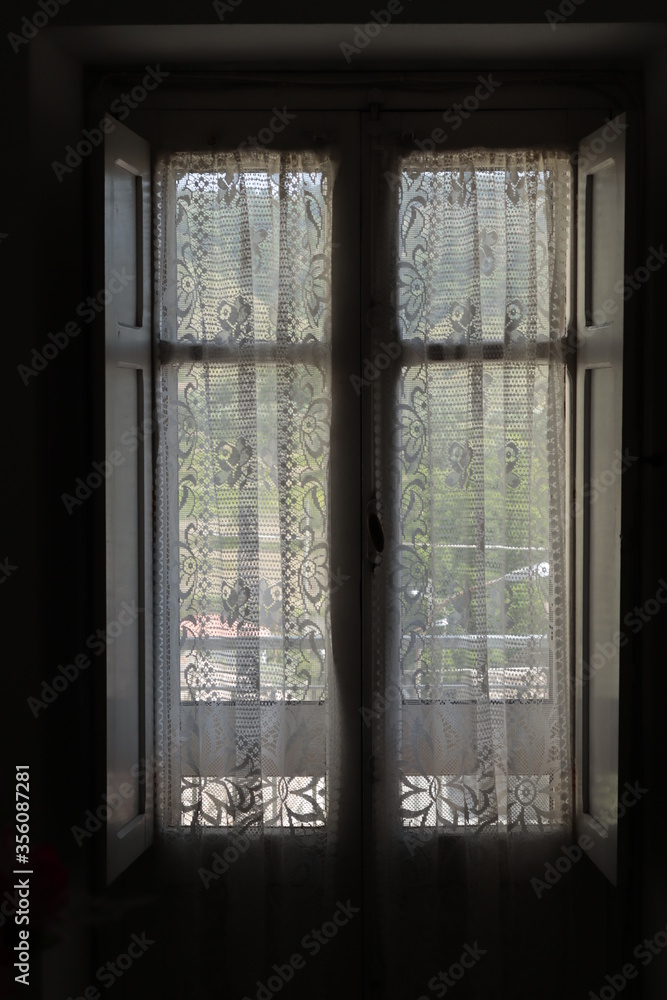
[597, 501]
[129, 715]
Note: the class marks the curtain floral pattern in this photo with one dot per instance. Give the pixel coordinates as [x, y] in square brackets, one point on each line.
[246, 698]
[471, 765]
[473, 761]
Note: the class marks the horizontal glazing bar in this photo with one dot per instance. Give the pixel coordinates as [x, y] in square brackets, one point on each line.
[258, 352]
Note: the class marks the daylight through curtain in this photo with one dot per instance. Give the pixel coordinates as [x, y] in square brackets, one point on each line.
[471, 733]
[246, 697]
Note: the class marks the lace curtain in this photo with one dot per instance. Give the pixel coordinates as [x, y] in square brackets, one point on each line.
[472, 773]
[471, 732]
[246, 698]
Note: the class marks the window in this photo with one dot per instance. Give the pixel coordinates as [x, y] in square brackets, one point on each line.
[364, 551]
[245, 386]
[244, 330]
[476, 545]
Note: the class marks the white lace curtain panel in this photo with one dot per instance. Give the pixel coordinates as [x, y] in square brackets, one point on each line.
[246, 696]
[473, 773]
[472, 748]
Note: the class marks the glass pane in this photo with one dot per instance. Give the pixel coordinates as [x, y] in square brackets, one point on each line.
[253, 495]
[473, 253]
[232, 229]
[474, 549]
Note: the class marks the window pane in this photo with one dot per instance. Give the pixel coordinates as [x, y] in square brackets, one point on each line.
[245, 392]
[475, 565]
[475, 485]
[232, 277]
[247, 534]
[478, 267]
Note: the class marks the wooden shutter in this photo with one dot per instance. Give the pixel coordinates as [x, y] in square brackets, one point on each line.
[598, 473]
[128, 427]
